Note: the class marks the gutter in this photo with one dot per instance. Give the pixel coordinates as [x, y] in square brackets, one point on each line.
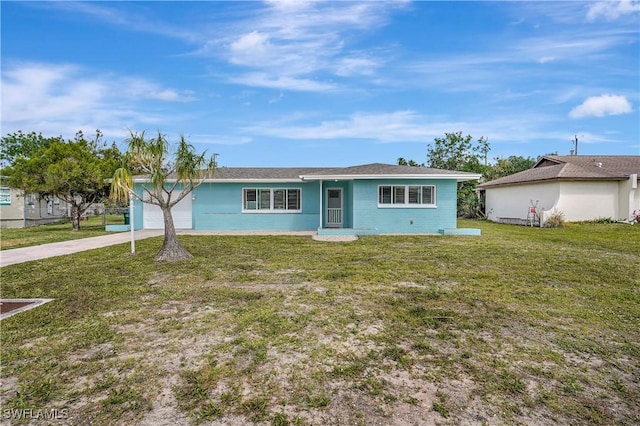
[555, 179]
[457, 176]
[308, 178]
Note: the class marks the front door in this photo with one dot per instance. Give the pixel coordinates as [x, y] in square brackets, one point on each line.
[334, 207]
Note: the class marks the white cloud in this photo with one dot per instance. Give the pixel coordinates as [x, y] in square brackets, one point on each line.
[43, 92]
[355, 66]
[250, 49]
[599, 106]
[389, 127]
[611, 10]
[204, 139]
[301, 42]
[589, 138]
[138, 18]
[283, 82]
[397, 126]
[61, 99]
[276, 99]
[141, 89]
[407, 126]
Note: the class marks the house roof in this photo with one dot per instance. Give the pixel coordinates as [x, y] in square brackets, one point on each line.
[366, 171]
[389, 171]
[573, 167]
[262, 173]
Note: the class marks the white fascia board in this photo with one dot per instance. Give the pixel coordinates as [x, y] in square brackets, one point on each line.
[469, 177]
[307, 178]
[292, 180]
[140, 180]
[458, 177]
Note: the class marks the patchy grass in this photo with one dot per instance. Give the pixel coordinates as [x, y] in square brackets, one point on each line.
[44, 234]
[519, 326]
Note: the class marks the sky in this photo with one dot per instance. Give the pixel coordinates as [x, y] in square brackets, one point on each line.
[314, 83]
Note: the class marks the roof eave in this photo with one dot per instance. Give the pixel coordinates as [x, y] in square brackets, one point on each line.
[268, 180]
[456, 176]
[459, 177]
[222, 180]
[554, 179]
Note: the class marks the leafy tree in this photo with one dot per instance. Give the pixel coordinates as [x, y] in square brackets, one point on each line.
[457, 152]
[508, 166]
[168, 179]
[74, 171]
[402, 162]
[22, 145]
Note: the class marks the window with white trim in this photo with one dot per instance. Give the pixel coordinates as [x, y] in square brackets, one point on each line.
[271, 200]
[406, 196]
[5, 195]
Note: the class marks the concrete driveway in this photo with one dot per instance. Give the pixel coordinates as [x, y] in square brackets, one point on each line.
[26, 254]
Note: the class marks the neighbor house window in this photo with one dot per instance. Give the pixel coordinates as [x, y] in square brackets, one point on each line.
[5, 195]
[271, 200]
[406, 196]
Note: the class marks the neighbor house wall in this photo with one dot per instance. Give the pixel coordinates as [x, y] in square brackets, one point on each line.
[30, 210]
[576, 200]
[368, 215]
[514, 201]
[218, 207]
[12, 210]
[628, 197]
[588, 200]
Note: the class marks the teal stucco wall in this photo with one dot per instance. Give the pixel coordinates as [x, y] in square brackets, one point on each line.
[367, 214]
[218, 207]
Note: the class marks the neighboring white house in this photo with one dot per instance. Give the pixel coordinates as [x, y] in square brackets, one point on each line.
[581, 187]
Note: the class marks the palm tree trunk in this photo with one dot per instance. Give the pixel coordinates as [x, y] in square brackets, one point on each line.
[171, 249]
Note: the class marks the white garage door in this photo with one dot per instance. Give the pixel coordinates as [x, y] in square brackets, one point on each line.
[181, 212]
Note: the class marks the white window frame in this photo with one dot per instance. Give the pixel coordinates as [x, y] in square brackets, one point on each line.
[398, 197]
[5, 195]
[272, 201]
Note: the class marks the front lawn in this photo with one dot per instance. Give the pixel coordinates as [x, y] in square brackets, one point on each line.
[518, 326]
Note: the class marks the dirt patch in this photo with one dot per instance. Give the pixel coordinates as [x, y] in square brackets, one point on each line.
[8, 387]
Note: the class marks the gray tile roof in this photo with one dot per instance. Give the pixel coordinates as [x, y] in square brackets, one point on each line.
[573, 167]
[281, 173]
[262, 173]
[386, 169]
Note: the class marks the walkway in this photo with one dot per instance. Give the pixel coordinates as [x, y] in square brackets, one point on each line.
[26, 254]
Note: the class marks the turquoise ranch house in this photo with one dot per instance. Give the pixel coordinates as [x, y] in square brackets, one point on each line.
[360, 200]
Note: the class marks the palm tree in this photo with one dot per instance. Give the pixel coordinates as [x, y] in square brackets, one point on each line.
[166, 181]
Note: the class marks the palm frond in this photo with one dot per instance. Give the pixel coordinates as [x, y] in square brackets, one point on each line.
[121, 184]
